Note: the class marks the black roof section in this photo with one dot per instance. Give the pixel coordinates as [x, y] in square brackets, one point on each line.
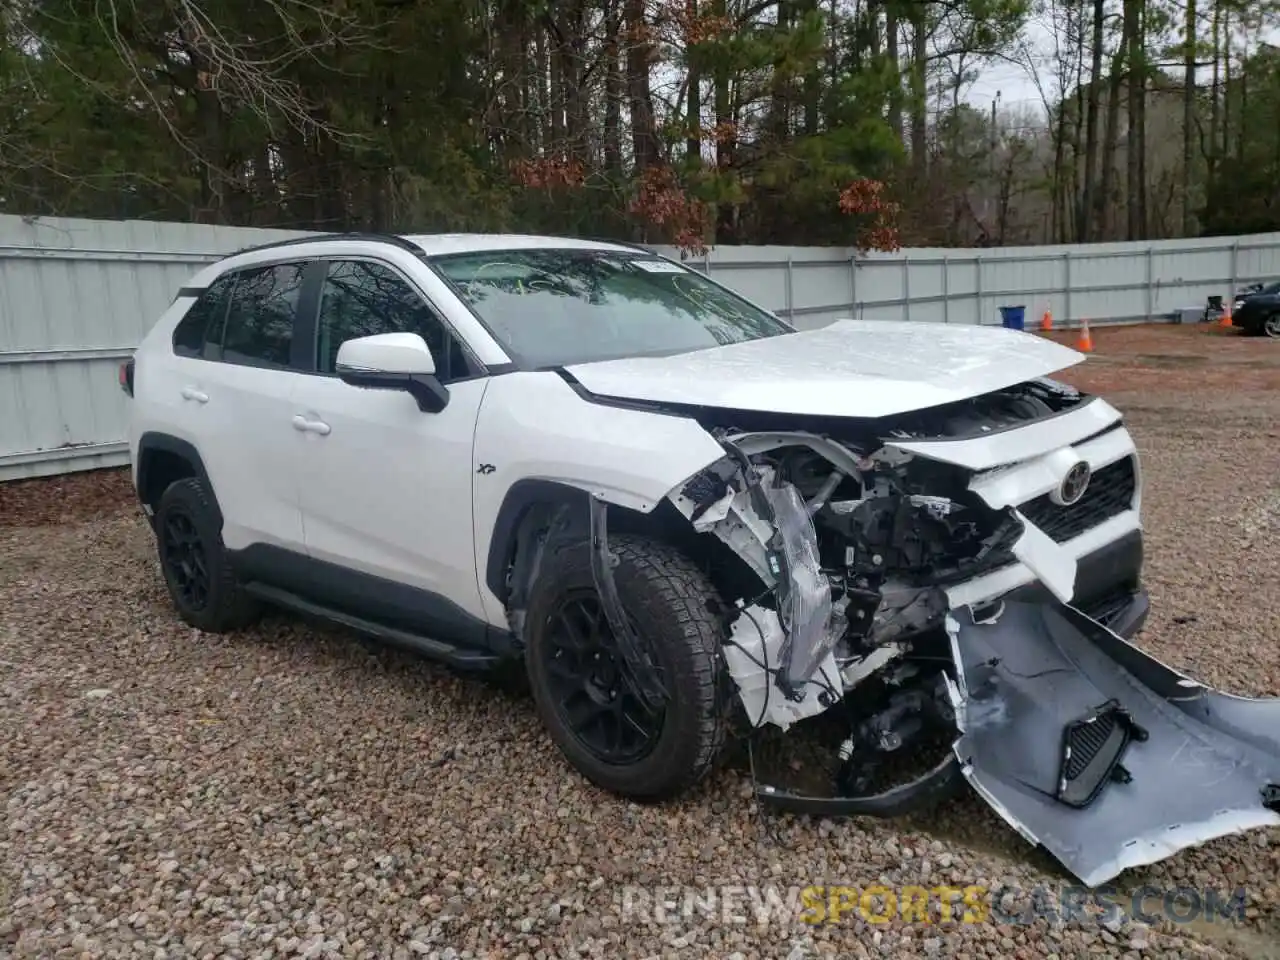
[391, 238]
[401, 242]
[620, 243]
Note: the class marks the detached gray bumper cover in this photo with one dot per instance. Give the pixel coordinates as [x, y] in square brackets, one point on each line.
[1100, 753]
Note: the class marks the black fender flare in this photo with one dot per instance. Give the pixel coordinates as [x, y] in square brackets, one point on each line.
[521, 497]
[153, 442]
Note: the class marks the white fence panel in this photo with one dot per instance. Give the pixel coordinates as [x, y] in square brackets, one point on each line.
[1101, 283]
[77, 295]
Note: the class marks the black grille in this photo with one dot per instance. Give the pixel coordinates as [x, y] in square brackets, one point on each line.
[1110, 493]
[1091, 752]
[1085, 741]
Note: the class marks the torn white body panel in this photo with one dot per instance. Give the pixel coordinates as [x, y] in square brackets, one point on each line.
[1020, 444]
[1012, 467]
[1044, 474]
[1052, 565]
[997, 488]
[733, 519]
[769, 527]
[754, 659]
[990, 586]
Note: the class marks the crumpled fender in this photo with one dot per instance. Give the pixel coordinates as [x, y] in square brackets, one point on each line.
[1097, 751]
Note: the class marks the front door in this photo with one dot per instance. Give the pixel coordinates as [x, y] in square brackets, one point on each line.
[385, 488]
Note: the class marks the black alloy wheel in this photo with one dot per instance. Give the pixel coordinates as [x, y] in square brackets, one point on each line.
[592, 692]
[185, 559]
[197, 567]
[582, 687]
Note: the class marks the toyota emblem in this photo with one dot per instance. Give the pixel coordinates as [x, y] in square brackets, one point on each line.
[1074, 484]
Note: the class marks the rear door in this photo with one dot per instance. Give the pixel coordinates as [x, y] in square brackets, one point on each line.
[243, 395]
[171, 393]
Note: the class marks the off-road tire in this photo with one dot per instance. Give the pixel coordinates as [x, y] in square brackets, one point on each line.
[671, 603]
[227, 607]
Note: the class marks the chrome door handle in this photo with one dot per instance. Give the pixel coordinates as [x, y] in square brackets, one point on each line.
[304, 425]
[191, 393]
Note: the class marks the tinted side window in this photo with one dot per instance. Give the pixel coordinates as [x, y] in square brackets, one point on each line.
[362, 299]
[202, 318]
[259, 329]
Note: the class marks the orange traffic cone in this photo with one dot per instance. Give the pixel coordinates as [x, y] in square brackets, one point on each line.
[1046, 322]
[1225, 319]
[1085, 343]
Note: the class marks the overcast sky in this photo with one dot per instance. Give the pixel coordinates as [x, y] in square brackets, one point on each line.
[1017, 88]
[1015, 83]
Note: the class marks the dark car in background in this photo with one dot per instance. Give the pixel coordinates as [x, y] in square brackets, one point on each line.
[1256, 309]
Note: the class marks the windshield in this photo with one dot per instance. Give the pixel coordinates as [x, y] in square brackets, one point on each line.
[557, 307]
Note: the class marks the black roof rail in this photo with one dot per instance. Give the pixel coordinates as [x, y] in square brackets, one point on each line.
[391, 238]
[638, 246]
[619, 243]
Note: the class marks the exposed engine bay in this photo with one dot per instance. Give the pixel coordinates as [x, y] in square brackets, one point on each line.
[860, 543]
[854, 541]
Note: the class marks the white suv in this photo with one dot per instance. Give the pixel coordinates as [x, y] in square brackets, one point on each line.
[673, 510]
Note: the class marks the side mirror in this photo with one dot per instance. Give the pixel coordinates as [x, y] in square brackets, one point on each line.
[393, 361]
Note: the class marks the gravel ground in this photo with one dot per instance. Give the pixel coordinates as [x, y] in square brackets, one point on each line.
[288, 790]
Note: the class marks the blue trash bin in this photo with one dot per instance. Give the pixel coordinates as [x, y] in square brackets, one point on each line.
[1013, 317]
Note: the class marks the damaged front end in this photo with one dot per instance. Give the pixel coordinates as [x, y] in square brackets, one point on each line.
[890, 561]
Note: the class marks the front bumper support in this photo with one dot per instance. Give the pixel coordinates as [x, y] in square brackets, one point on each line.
[1127, 611]
[1086, 745]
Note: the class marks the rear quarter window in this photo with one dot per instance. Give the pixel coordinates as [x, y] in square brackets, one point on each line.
[201, 322]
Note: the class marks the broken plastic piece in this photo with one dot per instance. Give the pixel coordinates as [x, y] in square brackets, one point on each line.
[1054, 567]
[922, 793]
[640, 669]
[806, 607]
[753, 656]
[1197, 762]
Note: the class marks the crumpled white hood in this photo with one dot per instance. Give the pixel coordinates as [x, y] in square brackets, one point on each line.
[853, 368]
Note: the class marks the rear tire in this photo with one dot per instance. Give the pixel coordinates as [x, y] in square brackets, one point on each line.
[194, 561]
[670, 603]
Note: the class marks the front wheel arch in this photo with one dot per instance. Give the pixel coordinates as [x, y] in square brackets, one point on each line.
[531, 505]
[524, 504]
